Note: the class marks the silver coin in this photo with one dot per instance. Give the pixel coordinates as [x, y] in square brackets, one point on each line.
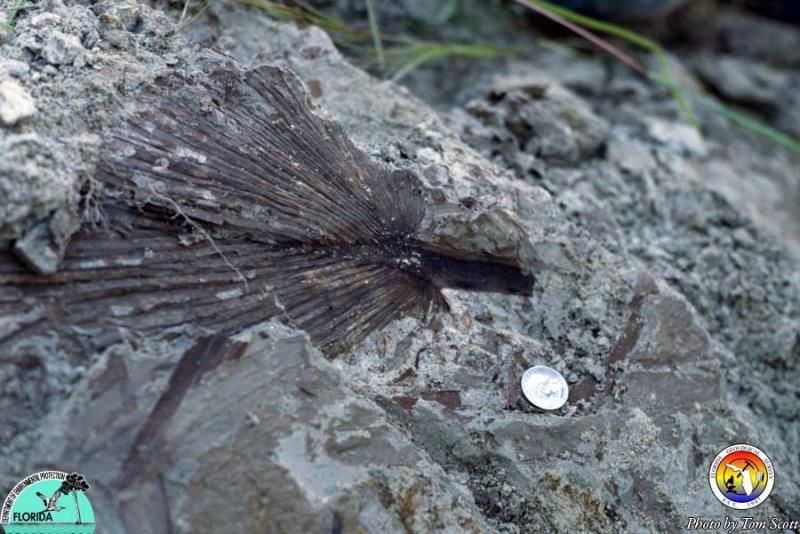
[544, 387]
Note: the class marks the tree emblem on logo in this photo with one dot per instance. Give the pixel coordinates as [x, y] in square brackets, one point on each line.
[73, 484]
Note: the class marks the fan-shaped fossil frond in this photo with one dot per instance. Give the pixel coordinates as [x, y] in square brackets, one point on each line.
[229, 202]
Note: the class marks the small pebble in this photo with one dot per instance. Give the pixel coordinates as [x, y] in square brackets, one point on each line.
[112, 30]
[37, 251]
[13, 68]
[61, 48]
[43, 20]
[15, 103]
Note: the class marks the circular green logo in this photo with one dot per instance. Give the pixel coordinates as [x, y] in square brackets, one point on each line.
[48, 502]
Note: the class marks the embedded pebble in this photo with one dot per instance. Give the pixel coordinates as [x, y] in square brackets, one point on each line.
[680, 137]
[15, 103]
[112, 30]
[61, 48]
[13, 68]
[35, 249]
[43, 20]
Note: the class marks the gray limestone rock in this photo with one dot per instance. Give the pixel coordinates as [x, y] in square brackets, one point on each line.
[542, 121]
[668, 306]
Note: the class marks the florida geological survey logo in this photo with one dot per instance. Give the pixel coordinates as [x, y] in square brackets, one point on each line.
[48, 502]
[741, 476]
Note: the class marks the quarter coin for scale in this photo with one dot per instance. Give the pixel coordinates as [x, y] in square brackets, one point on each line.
[544, 387]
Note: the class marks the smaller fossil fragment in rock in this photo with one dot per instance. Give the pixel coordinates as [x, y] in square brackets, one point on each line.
[278, 214]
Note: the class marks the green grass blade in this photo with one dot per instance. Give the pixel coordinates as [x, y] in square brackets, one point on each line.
[405, 53]
[425, 52]
[597, 25]
[183, 23]
[11, 14]
[776, 136]
[586, 34]
[376, 35]
[664, 77]
[304, 14]
[420, 59]
[740, 119]
[617, 31]
[409, 53]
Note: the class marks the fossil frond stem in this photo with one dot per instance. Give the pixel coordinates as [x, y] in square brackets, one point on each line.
[449, 268]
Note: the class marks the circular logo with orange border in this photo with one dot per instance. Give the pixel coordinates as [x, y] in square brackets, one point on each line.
[741, 476]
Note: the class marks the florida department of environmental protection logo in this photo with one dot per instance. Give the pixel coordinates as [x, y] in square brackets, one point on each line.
[48, 502]
[741, 476]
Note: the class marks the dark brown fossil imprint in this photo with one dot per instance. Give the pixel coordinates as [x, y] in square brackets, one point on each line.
[235, 206]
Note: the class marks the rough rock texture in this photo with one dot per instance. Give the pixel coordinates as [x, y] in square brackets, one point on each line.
[272, 437]
[670, 309]
[57, 62]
